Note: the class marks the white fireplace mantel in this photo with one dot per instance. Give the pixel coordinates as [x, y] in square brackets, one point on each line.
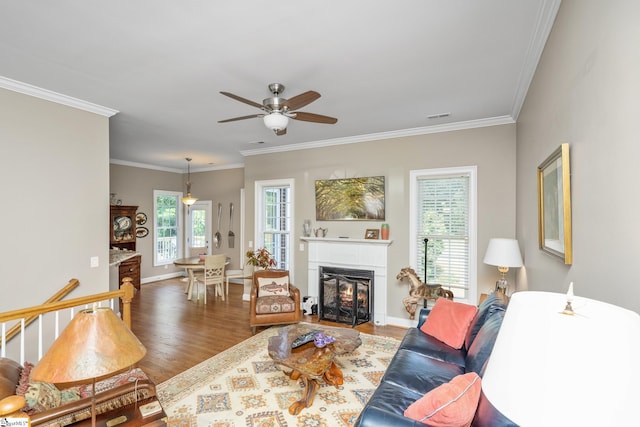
[361, 254]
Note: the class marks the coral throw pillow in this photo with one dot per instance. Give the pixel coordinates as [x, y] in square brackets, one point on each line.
[449, 321]
[452, 404]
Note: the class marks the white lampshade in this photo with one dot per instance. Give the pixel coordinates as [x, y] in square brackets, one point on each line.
[503, 253]
[276, 121]
[553, 369]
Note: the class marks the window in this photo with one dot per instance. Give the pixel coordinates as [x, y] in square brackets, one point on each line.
[443, 204]
[274, 202]
[167, 220]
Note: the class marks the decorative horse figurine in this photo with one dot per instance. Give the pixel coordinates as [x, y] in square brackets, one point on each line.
[419, 291]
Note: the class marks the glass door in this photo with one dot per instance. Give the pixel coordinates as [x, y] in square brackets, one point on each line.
[198, 229]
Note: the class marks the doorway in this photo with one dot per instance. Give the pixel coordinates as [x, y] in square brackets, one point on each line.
[198, 225]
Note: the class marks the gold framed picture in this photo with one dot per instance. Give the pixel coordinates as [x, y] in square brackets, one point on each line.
[350, 199]
[554, 205]
[372, 233]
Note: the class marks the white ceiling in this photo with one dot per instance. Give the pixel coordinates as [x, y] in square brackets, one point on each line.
[381, 67]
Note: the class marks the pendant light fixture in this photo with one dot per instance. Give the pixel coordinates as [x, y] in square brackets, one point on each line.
[189, 200]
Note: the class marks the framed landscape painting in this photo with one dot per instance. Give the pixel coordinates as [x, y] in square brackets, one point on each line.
[350, 199]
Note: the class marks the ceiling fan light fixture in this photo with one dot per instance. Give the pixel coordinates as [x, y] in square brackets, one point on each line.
[277, 111]
[276, 121]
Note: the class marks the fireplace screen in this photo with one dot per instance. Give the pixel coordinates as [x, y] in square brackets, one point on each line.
[346, 295]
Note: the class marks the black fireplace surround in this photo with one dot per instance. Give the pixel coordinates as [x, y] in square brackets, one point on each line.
[346, 295]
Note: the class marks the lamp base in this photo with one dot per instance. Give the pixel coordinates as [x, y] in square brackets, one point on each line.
[502, 285]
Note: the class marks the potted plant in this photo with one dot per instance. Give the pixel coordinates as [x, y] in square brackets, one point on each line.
[260, 258]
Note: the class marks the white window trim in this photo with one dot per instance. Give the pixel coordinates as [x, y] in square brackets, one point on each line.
[472, 171]
[259, 187]
[180, 231]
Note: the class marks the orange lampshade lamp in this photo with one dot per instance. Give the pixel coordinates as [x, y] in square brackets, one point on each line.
[96, 344]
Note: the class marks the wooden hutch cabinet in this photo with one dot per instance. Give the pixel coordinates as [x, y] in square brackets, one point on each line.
[122, 228]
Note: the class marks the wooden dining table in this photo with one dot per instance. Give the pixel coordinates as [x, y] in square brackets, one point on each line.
[192, 264]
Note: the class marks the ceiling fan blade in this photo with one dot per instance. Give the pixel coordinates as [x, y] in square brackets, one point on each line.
[316, 118]
[301, 100]
[281, 132]
[240, 118]
[241, 99]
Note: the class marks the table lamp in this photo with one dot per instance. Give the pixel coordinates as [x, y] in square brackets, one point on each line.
[503, 253]
[94, 345]
[549, 368]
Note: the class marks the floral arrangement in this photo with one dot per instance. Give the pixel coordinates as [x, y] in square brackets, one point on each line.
[260, 258]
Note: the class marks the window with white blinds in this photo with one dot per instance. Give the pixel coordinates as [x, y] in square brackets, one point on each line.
[274, 218]
[442, 211]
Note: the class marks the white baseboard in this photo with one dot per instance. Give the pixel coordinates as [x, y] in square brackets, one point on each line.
[399, 321]
[161, 277]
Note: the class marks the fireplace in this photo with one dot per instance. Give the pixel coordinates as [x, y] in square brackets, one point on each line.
[346, 295]
[362, 254]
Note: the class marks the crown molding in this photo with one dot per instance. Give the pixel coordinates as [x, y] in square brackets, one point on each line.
[58, 98]
[144, 166]
[546, 18]
[165, 169]
[448, 127]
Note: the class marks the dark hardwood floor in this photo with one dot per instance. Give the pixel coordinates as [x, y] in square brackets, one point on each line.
[180, 334]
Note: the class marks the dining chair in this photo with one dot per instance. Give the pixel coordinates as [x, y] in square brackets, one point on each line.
[235, 274]
[197, 250]
[213, 274]
[194, 251]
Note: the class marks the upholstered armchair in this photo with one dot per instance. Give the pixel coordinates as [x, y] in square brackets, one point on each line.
[274, 301]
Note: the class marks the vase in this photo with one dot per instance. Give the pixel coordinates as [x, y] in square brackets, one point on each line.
[306, 228]
[384, 232]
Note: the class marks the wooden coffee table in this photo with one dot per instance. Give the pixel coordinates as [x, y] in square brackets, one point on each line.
[308, 362]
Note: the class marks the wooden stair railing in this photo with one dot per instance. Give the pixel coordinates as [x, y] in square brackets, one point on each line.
[15, 329]
[27, 315]
[125, 293]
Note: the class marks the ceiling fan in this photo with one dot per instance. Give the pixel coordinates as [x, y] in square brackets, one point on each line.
[278, 111]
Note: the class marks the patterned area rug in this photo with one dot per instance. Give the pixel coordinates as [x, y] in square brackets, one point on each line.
[242, 386]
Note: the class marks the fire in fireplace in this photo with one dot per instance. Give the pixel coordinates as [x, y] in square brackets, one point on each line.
[346, 295]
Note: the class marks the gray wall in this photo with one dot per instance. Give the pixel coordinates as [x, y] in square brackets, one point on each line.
[54, 173]
[586, 92]
[135, 186]
[492, 149]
